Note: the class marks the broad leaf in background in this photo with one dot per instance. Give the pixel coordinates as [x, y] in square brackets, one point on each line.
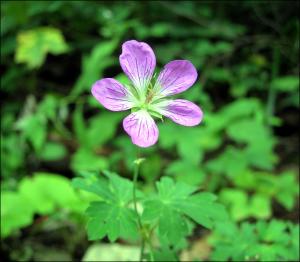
[94, 64]
[86, 160]
[273, 241]
[41, 194]
[286, 83]
[53, 151]
[242, 206]
[99, 129]
[10, 220]
[33, 45]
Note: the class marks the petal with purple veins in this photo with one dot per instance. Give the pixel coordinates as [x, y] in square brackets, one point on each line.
[138, 62]
[142, 129]
[112, 95]
[181, 111]
[176, 77]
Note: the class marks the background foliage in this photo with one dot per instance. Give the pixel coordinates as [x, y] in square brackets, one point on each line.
[52, 129]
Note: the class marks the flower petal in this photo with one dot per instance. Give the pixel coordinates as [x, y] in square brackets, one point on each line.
[181, 111]
[112, 94]
[142, 129]
[138, 62]
[176, 77]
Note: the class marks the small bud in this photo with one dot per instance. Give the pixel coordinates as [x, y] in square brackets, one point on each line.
[139, 161]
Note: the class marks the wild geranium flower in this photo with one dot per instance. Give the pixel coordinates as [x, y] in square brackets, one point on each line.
[147, 97]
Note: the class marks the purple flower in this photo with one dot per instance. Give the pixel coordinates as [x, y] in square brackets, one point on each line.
[146, 98]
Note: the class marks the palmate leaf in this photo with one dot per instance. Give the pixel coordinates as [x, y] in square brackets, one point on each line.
[264, 241]
[112, 215]
[175, 203]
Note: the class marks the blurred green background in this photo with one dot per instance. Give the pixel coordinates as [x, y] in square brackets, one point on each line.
[245, 151]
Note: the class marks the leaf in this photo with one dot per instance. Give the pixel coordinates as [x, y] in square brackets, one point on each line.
[286, 83]
[231, 162]
[242, 206]
[85, 160]
[93, 65]
[40, 192]
[151, 168]
[33, 45]
[189, 142]
[112, 216]
[53, 151]
[186, 172]
[15, 212]
[48, 106]
[287, 189]
[99, 130]
[176, 202]
[262, 241]
[38, 195]
[259, 150]
[102, 128]
[34, 128]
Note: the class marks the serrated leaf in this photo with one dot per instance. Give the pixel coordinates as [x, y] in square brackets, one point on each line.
[174, 202]
[113, 216]
[262, 241]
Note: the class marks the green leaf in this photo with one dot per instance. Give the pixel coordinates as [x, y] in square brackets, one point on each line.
[231, 162]
[34, 128]
[38, 195]
[286, 83]
[48, 106]
[113, 216]
[262, 241]
[175, 202]
[186, 172]
[259, 150]
[151, 168]
[242, 206]
[85, 160]
[92, 68]
[99, 130]
[102, 128]
[286, 189]
[33, 45]
[40, 192]
[16, 212]
[53, 151]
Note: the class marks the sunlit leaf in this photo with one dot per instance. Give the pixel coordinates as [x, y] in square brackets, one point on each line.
[33, 45]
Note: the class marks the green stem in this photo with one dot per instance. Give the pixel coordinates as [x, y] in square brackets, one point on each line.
[144, 236]
[135, 177]
[137, 163]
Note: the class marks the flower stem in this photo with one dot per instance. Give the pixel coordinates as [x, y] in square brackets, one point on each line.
[137, 163]
[135, 177]
[145, 238]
